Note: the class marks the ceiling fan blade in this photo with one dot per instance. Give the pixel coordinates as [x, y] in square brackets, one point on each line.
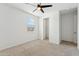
[42, 10]
[34, 10]
[45, 6]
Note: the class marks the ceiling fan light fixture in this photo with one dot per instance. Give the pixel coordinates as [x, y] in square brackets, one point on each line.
[39, 8]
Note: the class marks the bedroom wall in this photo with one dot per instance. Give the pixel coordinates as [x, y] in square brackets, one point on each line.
[53, 26]
[41, 29]
[13, 30]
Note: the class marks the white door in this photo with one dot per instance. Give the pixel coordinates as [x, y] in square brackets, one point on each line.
[75, 27]
[46, 28]
[68, 27]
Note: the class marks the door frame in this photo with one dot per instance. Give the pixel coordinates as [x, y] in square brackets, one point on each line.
[45, 19]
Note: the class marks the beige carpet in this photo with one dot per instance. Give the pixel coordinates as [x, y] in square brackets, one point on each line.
[41, 48]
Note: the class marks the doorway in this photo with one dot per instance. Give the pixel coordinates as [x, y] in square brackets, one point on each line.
[68, 26]
[46, 28]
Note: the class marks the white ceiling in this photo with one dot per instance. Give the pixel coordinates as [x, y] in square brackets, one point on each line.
[56, 7]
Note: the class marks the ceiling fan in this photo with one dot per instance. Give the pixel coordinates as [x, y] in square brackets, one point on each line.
[40, 7]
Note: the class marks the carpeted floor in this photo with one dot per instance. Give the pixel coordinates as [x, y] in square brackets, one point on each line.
[41, 48]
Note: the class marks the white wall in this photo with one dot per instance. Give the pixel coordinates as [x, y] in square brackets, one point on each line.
[41, 28]
[53, 26]
[13, 30]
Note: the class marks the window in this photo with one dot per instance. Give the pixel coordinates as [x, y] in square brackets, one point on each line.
[30, 24]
